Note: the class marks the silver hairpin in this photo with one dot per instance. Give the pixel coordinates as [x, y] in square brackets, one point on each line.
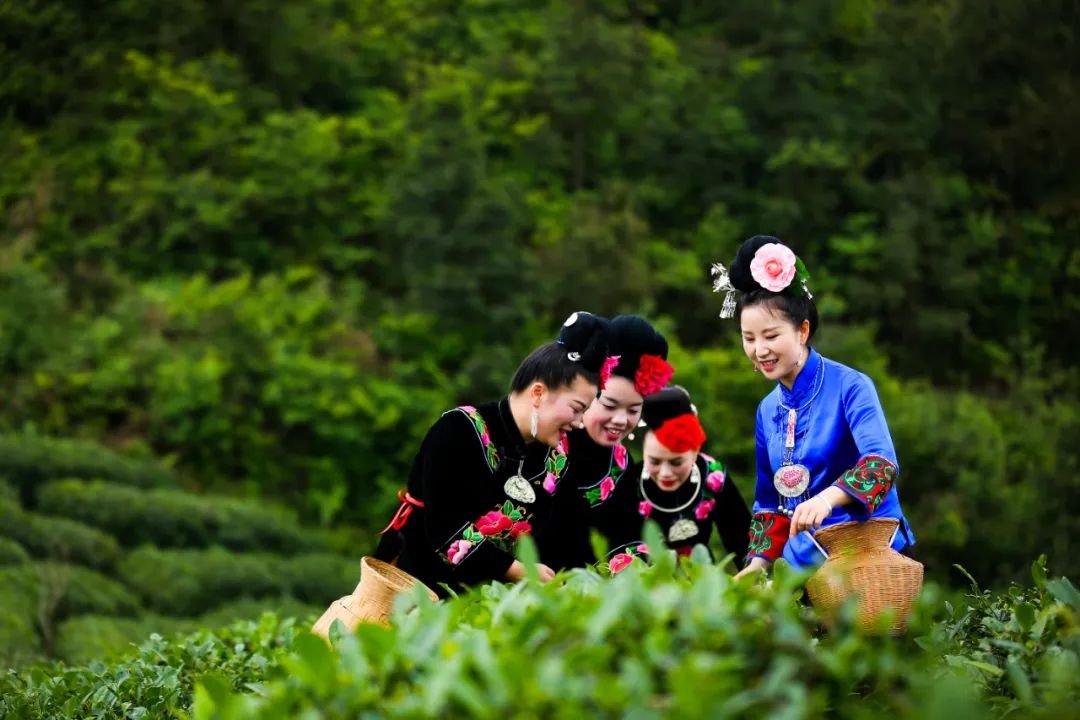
[722, 283]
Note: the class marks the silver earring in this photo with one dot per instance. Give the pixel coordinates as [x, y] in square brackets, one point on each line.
[534, 423]
[630, 436]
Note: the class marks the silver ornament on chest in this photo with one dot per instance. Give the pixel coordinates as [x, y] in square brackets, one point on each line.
[682, 529]
[791, 480]
[518, 488]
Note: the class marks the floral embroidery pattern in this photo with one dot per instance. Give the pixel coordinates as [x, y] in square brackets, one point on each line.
[768, 534]
[644, 508]
[490, 452]
[716, 473]
[869, 481]
[625, 556]
[620, 562]
[554, 465]
[602, 491]
[501, 527]
[701, 512]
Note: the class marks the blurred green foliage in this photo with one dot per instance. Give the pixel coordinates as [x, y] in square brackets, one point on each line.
[268, 242]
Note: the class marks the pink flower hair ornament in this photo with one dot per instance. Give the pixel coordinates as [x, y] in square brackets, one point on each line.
[774, 267]
[610, 364]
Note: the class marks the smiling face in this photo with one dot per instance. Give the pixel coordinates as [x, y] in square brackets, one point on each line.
[560, 409]
[615, 413]
[669, 470]
[773, 343]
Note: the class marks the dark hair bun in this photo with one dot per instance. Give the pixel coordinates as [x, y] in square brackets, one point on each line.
[631, 337]
[585, 337]
[671, 402]
[739, 272]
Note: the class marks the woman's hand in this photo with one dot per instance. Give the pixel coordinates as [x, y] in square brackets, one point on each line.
[516, 573]
[810, 514]
[756, 565]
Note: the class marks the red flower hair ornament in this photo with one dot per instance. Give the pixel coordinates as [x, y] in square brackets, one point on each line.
[681, 433]
[652, 375]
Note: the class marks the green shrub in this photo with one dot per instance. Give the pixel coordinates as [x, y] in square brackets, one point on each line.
[173, 518]
[192, 582]
[157, 682]
[20, 641]
[29, 460]
[12, 553]
[95, 637]
[318, 577]
[57, 538]
[253, 609]
[77, 591]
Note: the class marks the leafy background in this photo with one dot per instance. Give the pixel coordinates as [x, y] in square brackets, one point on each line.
[248, 251]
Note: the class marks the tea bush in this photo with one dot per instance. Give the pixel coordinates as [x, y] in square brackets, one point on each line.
[173, 518]
[156, 682]
[12, 553]
[57, 538]
[191, 582]
[668, 641]
[29, 460]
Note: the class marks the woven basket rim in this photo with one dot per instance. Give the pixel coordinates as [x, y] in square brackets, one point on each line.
[855, 528]
[395, 578]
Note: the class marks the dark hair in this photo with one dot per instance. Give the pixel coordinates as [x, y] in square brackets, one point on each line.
[580, 351]
[794, 308]
[551, 365]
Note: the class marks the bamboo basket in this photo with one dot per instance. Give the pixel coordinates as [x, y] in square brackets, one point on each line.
[861, 563]
[373, 599]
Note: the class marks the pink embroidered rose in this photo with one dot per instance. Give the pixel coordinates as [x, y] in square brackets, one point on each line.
[715, 480]
[493, 523]
[485, 439]
[642, 548]
[773, 266]
[520, 528]
[610, 364]
[560, 447]
[458, 550]
[606, 488]
[644, 508]
[550, 483]
[619, 562]
[468, 408]
[704, 508]
[620, 457]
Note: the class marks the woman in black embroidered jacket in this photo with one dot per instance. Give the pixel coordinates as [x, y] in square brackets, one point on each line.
[636, 368]
[488, 474]
[681, 488]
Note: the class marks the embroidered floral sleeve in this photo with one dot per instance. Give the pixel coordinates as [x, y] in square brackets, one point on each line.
[869, 481]
[490, 451]
[768, 535]
[501, 527]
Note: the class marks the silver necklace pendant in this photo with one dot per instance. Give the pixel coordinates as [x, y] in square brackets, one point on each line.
[518, 488]
[682, 529]
[791, 480]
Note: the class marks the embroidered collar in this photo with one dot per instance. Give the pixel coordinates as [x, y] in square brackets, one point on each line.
[805, 382]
